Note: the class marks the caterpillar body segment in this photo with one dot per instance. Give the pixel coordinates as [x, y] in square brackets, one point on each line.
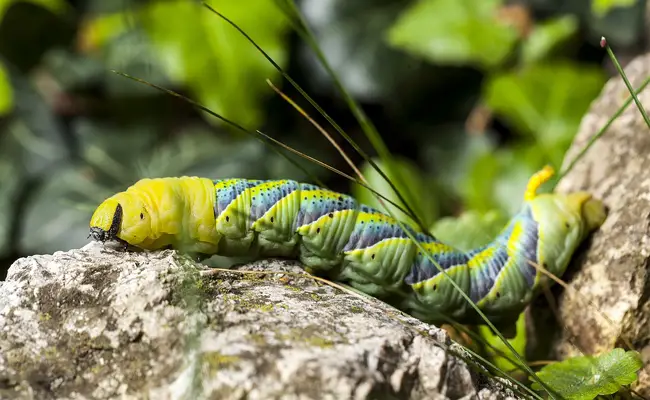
[334, 235]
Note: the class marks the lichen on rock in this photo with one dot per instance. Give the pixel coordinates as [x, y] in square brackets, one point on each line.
[97, 323]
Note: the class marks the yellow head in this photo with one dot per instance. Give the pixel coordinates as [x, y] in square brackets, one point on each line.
[123, 218]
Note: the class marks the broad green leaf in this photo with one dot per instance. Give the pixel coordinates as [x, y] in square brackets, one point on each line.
[450, 154]
[6, 93]
[222, 69]
[455, 32]
[498, 180]
[410, 182]
[546, 36]
[546, 102]
[586, 377]
[469, 230]
[478, 186]
[518, 343]
[56, 6]
[601, 7]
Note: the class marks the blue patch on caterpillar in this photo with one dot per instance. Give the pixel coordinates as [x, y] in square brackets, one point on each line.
[483, 277]
[423, 269]
[234, 187]
[314, 206]
[369, 233]
[529, 243]
[263, 199]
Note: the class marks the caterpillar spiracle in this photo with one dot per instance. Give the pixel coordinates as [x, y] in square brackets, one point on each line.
[334, 235]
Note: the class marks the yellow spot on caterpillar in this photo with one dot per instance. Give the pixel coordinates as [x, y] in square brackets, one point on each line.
[537, 180]
[481, 257]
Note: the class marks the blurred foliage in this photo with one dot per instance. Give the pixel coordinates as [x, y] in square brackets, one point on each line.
[6, 93]
[483, 227]
[409, 181]
[464, 32]
[220, 68]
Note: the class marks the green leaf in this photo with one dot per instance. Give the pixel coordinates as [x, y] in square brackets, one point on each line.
[455, 32]
[222, 69]
[410, 182]
[56, 6]
[518, 343]
[545, 101]
[547, 36]
[498, 180]
[584, 378]
[469, 230]
[450, 154]
[601, 7]
[6, 93]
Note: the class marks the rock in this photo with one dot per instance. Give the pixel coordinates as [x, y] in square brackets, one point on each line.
[97, 323]
[607, 303]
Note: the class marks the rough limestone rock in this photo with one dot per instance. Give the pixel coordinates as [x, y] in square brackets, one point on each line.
[608, 300]
[96, 323]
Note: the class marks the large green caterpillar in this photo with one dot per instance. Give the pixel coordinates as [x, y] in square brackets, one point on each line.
[333, 234]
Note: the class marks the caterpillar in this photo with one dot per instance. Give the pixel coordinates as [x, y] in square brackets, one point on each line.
[334, 235]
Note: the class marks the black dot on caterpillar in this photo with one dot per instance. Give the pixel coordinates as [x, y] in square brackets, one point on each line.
[271, 219]
[435, 287]
[330, 215]
[227, 218]
[318, 230]
[498, 295]
[372, 257]
[567, 225]
[141, 216]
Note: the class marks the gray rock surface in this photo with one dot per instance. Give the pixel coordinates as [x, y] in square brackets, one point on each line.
[96, 323]
[608, 300]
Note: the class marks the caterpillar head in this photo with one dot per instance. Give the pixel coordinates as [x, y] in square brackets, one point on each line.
[577, 212]
[564, 221]
[122, 218]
